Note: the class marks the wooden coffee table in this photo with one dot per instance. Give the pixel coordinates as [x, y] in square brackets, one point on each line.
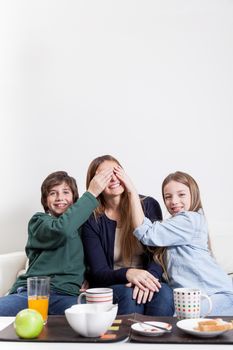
[124, 344]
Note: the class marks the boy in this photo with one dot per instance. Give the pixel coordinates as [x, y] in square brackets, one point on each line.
[54, 247]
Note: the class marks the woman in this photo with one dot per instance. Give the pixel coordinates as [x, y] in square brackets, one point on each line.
[114, 256]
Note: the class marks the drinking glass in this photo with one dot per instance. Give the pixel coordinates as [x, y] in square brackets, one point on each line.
[38, 294]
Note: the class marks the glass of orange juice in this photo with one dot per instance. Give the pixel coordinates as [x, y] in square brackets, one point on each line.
[38, 294]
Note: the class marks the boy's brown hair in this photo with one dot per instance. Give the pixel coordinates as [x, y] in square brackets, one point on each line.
[54, 179]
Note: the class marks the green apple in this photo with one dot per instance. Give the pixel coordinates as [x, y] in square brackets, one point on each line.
[28, 323]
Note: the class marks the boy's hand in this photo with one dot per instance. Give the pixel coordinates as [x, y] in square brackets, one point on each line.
[100, 182]
[84, 286]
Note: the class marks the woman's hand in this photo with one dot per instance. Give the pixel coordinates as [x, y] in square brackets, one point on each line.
[143, 280]
[100, 182]
[142, 296]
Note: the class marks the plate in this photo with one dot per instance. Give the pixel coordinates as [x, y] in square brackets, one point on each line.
[189, 325]
[147, 330]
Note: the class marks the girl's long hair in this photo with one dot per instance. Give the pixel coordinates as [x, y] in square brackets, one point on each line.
[186, 179]
[129, 243]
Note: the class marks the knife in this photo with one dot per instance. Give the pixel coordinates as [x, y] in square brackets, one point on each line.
[151, 325]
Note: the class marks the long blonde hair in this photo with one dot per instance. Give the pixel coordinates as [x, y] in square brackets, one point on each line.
[186, 179]
[128, 242]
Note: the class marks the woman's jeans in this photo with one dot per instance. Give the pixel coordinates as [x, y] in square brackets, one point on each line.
[162, 303]
[11, 304]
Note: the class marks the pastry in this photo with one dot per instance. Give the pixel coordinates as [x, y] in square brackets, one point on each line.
[214, 325]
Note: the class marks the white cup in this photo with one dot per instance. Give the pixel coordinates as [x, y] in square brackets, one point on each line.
[188, 303]
[96, 295]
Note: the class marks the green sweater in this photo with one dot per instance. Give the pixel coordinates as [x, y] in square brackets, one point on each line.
[55, 249]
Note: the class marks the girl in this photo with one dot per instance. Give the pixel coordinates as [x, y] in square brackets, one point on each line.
[114, 255]
[184, 242]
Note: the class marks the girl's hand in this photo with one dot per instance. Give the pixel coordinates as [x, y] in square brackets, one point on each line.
[84, 286]
[124, 178]
[135, 203]
[143, 279]
[100, 182]
[142, 296]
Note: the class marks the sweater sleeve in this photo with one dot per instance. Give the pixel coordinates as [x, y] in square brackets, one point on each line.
[152, 209]
[49, 232]
[155, 269]
[101, 274]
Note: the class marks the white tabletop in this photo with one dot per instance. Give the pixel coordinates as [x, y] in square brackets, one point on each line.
[5, 321]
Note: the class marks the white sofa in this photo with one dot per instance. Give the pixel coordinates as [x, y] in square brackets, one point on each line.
[12, 264]
[221, 237]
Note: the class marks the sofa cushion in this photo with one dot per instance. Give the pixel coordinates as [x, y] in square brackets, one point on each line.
[10, 264]
[221, 237]
[23, 271]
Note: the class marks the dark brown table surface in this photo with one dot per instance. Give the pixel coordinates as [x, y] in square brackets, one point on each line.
[58, 330]
[177, 336]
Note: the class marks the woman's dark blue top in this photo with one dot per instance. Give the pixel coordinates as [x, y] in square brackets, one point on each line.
[98, 236]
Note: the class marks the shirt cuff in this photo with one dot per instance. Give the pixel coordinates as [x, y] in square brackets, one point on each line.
[140, 231]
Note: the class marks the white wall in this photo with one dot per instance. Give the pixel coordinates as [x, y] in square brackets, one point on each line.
[149, 82]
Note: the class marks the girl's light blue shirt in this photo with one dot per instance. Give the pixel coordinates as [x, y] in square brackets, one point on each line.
[189, 262]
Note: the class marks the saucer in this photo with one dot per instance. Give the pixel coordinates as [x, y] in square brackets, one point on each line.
[148, 331]
[189, 325]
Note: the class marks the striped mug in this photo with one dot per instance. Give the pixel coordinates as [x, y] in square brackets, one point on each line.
[96, 295]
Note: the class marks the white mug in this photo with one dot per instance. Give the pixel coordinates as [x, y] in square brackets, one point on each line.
[188, 303]
[97, 295]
